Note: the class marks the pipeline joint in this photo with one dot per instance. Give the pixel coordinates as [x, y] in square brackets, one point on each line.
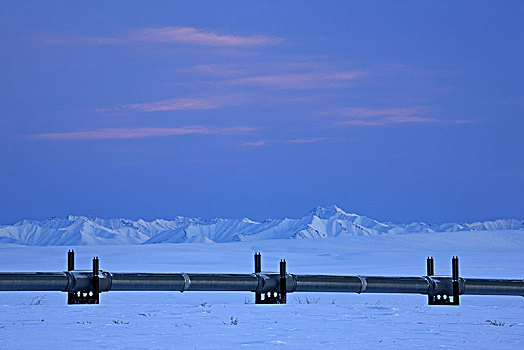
[187, 282]
[364, 284]
[432, 285]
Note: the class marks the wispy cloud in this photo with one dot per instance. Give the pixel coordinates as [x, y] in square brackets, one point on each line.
[379, 112]
[210, 102]
[389, 121]
[172, 104]
[383, 116]
[290, 65]
[296, 81]
[260, 143]
[136, 133]
[202, 37]
[389, 116]
[217, 69]
[178, 104]
[313, 140]
[188, 35]
[256, 143]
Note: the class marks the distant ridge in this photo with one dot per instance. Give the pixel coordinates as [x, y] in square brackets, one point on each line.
[322, 222]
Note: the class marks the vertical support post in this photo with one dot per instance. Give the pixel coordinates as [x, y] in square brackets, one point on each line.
[258, 269]
[455, 279]
[430, 266]
[282, 282]
[430, 271]
[70, 267]
[70, 260]
[96, 281]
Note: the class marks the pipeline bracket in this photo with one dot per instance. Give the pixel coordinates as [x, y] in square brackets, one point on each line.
[271, 297]
[278, 294]
[85, 295]
[444, 298]
[82, 297]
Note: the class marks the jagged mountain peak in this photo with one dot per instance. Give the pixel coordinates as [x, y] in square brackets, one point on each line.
[321, 222]
[327, 211]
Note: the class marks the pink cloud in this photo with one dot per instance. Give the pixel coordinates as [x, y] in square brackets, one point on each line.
[177, 104]
[188, 35]
[201, 37]
[216, 69]
[256, 143]
[378, 112]
[172, 104]
[463, 121]
[384, 116]
[135, 133]
[388, 121]
[296, 81]
[295, 141]
[318, 139]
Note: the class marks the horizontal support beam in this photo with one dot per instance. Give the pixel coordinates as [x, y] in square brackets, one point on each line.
[73, 281]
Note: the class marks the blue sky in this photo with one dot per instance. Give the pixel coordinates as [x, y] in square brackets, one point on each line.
[399, 111]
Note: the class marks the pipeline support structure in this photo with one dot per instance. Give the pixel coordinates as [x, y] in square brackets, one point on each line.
[85, 286]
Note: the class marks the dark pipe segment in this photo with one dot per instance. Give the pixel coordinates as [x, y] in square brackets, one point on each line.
[147, 281]
[73, 281]
[184, 282]
[223, 282]
[324, 283]
[396, 285]
[482, 286]
[34, 281]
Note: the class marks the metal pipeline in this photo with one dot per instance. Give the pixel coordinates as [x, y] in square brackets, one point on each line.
[184, 282]
[478, 286]
[73, 281]
[322, 283]
[34, 281]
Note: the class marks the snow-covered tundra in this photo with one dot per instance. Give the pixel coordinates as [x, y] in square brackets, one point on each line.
[353, 245]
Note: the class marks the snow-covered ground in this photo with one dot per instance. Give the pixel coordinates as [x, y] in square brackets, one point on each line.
[190, 320]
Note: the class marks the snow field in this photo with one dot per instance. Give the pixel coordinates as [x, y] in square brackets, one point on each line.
[314, 320]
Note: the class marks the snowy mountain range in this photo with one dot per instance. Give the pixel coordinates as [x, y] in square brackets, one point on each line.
[330, 221]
